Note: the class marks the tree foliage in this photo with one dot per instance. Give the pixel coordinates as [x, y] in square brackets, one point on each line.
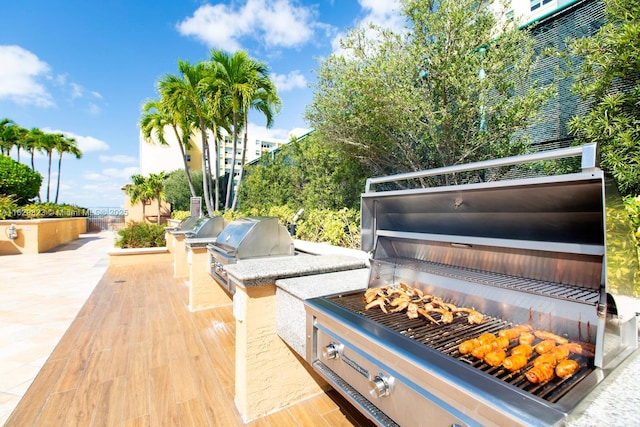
[18, 180]
[450, 90]
[611, 60]
[177, 190]
[309, 174]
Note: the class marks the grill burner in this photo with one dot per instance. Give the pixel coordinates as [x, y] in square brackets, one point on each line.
[445, 338]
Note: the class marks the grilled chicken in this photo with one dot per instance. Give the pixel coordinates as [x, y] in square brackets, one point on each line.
[540, 374]
[511, 333]
[378, 302]
[548, 358]
[561, 352]
[515, 362]
[500, 342]
[526, 338]
[522, 349]
[465, 347]
[480, 351]
[495, 357]
[402, 297]
[566, 368]
[583, 349]
[486, 338]
[545, 335]
[545, 346]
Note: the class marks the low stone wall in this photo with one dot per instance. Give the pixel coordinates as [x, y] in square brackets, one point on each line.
[138, 256]
[39, 235]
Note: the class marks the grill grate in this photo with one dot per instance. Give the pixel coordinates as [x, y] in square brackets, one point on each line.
[445, 338]
[540, 287]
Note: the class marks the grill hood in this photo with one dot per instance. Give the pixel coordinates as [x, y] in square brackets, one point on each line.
[252, 237]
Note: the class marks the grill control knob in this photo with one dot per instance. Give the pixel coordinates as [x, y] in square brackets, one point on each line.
[380, 386]
[332, 350]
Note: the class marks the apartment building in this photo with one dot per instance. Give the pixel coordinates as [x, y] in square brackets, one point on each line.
[155, 158]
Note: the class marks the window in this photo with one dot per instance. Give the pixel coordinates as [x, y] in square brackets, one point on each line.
[535, 4]
[187, 157]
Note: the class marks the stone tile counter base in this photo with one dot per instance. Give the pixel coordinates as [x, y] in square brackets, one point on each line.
[269, 374]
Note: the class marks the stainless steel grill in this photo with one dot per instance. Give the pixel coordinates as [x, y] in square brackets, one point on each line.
[194, 227]
[247, 238]
[549, 252]
[185, 224]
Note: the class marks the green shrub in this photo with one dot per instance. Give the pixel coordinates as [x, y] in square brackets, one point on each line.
[339, 228]
[180, 215]
[139, 235]
[18, 180]
[8, 207]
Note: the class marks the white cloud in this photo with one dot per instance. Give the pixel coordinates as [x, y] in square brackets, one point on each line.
[255, 131]
[118, 158]
[85, 143]
[93, 176]
[287, 82]
[278, 23]
[108, 174]
[121, 173]
[384, 14]
[19, 77]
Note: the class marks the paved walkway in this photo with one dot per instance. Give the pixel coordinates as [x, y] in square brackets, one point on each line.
[40, 295]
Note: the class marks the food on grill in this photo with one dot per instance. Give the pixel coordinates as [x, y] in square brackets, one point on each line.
[378, 302]
[549, 358]
[512, 333]
[373, 293]
[495, 357]
[480, 351]
[486, 338]
[412, 310]
[445, 315]
[424, 313]
[526, 338]
[566, 368]
[540, 373]
[545, 335]
[465, 347]
[545, 346]
[583, 349]
[561, 352]
[522, 349]
[400, 303]
[403, 297]
[524, 328]
[474, 317]
[500, 342]
[515, 362]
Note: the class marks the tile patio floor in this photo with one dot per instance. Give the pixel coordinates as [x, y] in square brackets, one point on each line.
[83, 344]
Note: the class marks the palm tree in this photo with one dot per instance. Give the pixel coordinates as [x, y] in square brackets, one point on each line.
[155, 185]
[48, 143]
[138, 191]
[156, 116]
[33, 143]
[240, 77]
[5, 143]
[65, 145]
[11, 135]
[186, 94]
[266, 101]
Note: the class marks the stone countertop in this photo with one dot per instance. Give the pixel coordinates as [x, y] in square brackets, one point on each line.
[616, 401]
[291, 317]
[264, 271]
[199, 242]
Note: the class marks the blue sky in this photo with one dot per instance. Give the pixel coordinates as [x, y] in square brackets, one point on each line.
[84, 68]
